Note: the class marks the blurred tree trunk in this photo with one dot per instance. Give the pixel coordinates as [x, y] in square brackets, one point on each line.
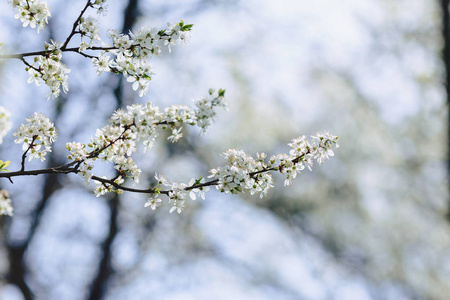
[18, 269]
[99, 284]
[446, 60]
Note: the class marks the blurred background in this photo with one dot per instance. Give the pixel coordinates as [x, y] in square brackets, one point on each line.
[371, 223]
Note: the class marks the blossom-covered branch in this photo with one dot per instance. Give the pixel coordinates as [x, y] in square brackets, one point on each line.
[117, 142]
[129, 55]
[126, 54]
[241, 172]
[89, 3]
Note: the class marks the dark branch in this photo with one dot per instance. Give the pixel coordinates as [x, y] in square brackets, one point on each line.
[66, 169]
[44, 53]
[73, 167]
[75, 24]
[24, 155]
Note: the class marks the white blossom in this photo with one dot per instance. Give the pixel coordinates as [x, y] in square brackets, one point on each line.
[202, 190]
[37, 135]
[161, 179]
[100, 5]
[77, 151]
[5, 123]
[326, 142]
[117, 141]
[51, 70]
[88, 28]
[174, 34]
[242, 172]
[153, 202]
[5, 204]
[32, 12]
[205, 111]
[176, 135]
[102, 188]
[177, 196]
[85, 170]
[132, 52]
[180, 114]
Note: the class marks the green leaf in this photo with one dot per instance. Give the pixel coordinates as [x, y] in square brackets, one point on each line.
[3, 165]
[221, 93]
[187, 27]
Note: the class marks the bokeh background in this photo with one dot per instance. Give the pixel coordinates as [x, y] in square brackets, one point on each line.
[371, 223]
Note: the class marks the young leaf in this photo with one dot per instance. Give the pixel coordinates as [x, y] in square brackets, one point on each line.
[3, 165]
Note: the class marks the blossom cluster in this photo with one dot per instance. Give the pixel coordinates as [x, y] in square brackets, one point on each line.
[303, 154]
[5, 204]
[100, 5]
[242, 172]
[88, 28]
[131, 53]
[205, 112]
[32, 12]
[237, 175]
[37, 135]
[178, 193]
[5, 123]
[50, 69]
[127, 54]
[117, 141]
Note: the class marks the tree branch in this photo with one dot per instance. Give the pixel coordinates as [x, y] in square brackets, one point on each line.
[73, 167]
[65, 169]
[24, 155]
[75, 24]
[44, 52]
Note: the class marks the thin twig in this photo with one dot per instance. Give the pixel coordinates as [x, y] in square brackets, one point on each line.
[75, 24]
[30, 66]
[24, 155]
[87, 55]
[124, 188]
[96, 152]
